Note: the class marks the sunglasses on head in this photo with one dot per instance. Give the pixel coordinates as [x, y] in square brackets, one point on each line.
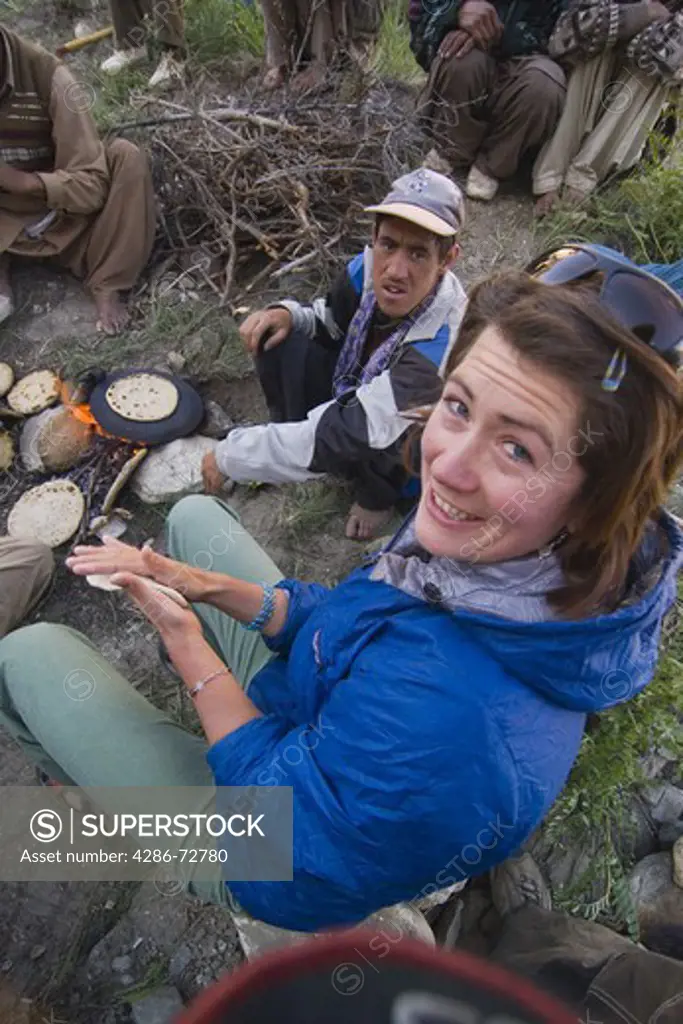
[641, 303]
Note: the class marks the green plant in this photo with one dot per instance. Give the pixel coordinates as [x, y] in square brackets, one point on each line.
[309, 508]
[594, 806]
[393, 57]
[216, 29]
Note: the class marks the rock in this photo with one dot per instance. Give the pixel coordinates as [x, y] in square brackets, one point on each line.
[159, 1007]
[121, 964]
[665, 805]
[62, 441]
[6, 966]
[677, 855]
[217, 423]
[659, 904]
[179, 963]
[37, 952]
[172, 470]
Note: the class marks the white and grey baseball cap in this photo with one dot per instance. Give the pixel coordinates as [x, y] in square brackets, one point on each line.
[426, 198]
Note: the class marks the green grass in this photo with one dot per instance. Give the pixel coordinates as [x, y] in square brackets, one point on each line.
[219, 29]
[642, 215]
[202, 332]
[393, 57]
[309, 509]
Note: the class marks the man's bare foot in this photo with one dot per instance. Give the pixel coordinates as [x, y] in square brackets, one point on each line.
[364, 524]
[112, 314]
[312, 78]
[6, 295]
[545, 203]
[274, 78]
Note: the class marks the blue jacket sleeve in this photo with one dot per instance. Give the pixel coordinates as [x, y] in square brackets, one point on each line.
[303, 598]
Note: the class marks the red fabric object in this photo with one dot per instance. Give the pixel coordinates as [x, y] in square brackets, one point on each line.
[362, 977]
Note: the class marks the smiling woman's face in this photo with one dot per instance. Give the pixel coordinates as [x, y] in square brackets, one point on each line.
[499, 468]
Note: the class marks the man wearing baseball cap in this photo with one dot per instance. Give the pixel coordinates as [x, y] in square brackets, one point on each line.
[338, 375]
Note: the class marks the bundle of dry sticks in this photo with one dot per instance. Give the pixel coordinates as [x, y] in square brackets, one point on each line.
[248, 196]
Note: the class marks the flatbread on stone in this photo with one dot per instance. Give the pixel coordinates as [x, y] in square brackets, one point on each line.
[34, 392]
[50, 513]
[6, 378]
[144, 397]
[6, 450]
[103, 582]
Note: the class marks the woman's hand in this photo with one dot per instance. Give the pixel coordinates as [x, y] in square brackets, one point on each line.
[173, 622]
[113, 556]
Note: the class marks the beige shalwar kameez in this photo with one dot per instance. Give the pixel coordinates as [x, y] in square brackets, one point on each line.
[609, 112]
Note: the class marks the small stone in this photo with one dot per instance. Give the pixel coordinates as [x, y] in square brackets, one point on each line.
[110, 904]
[121, 964]
[176, 361]
[677, 854]
[221, 946]
[6, 966]
[127, 980]
[172, 470]
[159, 1007]
[37, 952]
[217, 423]
[179, 962]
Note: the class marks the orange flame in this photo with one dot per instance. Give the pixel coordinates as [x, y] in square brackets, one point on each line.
[80, 410]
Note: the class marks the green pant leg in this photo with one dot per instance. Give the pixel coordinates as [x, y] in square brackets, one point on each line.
[207, 534]
[82, 722]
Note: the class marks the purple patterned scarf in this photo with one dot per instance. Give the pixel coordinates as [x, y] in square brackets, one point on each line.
[349, 373]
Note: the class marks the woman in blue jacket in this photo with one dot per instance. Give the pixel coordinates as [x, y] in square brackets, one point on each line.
[427, 710]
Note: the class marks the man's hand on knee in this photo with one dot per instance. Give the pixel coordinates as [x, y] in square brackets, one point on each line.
[272, 324]
[480, 19]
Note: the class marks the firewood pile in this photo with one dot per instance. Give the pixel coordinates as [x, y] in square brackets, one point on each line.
[249, 196]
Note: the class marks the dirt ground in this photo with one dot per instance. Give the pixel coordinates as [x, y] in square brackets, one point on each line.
[84, 953]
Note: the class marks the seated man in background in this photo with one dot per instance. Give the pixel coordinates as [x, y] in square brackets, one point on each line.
[25, 572]
[493, 94]
[63, 193]
[629, 61]
[130, 33]
[337, 375]
[314, 32]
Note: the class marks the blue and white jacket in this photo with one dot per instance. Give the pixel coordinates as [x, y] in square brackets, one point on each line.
[430, 740]
[369, 419]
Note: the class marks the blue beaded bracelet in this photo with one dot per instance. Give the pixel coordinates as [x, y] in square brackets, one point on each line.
[266, 612]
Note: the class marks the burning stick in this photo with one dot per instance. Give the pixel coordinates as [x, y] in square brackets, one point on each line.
[77, 44]
[122, 479]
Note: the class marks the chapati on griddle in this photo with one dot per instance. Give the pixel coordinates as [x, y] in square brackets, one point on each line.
[143, 397]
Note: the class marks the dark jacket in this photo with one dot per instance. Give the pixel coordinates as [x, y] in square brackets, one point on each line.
[527, 26]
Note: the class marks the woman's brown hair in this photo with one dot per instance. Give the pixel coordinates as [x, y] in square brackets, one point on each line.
[632, 438]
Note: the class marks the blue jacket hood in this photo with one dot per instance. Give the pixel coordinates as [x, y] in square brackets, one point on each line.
[591, 664]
